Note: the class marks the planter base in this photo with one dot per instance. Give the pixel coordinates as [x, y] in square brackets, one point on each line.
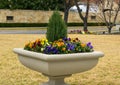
[58, 66]
[59, 80]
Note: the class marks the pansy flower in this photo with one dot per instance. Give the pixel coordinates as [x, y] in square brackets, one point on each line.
[61, 46]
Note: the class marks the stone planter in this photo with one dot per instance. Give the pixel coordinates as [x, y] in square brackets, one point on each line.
[58, 66]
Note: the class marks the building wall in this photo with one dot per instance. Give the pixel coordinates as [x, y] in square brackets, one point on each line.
[36, 16]
[24, 16]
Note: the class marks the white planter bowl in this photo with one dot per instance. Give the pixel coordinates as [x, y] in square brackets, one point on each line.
[57, 65]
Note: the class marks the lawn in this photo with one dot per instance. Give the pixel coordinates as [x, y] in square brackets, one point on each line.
[107, 71]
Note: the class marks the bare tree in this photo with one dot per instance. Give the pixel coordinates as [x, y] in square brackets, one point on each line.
[109, 10]
[83, 17]
[66, 10]
[68, 4]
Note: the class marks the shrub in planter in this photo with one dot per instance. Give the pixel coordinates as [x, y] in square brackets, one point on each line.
[57, 41]
[56, 27]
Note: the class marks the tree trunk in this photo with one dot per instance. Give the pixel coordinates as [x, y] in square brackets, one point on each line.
[84, 18]
[66, 11]
[109, 30]
[85, 25]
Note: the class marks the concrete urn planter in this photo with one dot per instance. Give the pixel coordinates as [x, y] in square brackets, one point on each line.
[58, 66]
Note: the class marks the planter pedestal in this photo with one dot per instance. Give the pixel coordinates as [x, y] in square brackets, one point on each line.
[57, 80]
[57, 65]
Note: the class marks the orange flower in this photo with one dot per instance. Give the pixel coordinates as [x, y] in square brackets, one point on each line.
[38, 40]
[62, 43]
[26, 44]
[59, 44]
[83, 45]
[31, 45]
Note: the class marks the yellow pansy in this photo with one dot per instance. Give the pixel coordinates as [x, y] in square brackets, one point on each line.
[42, 42]
[64, 49]
[42, 39]
[60, 40]
[46, 40]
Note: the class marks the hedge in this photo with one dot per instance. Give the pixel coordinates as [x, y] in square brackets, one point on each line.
[44, 24]
[23, 24]
[89, 24]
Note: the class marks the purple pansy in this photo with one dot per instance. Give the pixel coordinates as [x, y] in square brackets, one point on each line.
[49, 49]
[70, 46]
[89, 45]
[66, 39]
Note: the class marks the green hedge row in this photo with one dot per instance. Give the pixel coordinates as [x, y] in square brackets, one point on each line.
[89, 24]
[44, 24]
[23, 24]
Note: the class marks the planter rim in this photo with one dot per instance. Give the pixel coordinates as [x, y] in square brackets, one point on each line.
[58, 57]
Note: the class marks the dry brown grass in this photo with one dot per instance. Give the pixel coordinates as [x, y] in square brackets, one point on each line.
[107, 72]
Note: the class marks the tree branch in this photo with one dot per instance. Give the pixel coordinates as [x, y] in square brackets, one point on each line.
[87, 10]
[117, 12]
[78, 8]
[110, 17]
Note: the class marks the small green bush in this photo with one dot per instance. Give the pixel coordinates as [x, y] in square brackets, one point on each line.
[56, 27]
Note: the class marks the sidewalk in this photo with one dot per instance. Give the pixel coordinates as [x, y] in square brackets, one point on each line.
[22, 31]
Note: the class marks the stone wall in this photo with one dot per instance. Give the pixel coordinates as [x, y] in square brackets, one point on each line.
[24, 16]
[33, 16]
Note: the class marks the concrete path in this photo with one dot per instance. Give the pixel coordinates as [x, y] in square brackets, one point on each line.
[92, 29]
[22, 31]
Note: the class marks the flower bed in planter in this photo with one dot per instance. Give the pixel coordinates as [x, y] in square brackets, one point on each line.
[61, 46]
